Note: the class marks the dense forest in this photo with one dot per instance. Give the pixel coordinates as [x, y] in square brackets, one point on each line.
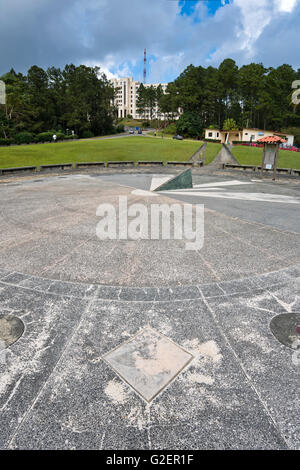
[74, 99]
[252, 96]
[79, 99]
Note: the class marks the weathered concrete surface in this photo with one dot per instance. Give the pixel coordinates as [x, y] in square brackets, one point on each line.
[48, 229]
[239, 391]
[200, 154]
[224, 156]
[80, 299]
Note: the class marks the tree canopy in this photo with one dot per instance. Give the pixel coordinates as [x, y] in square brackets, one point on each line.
[75, 98]
[253, 95]
[80, 98]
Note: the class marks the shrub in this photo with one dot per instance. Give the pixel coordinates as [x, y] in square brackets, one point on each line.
[44, 137]
[189, 124]
[170, 129]
[230, 125]
[215, 141]
[120, 128]
[60, 136]
[146, 124]
[6, 141]
[24, 138]
[71, 137]
[87, 134]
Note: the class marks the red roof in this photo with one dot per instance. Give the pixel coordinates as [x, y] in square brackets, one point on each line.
[274, 139]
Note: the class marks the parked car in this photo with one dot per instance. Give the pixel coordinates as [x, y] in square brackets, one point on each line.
[140, 131]
[131, 131]
[177, 137]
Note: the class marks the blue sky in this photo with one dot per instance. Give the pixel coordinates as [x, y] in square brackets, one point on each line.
[188, 6]
[113, 33]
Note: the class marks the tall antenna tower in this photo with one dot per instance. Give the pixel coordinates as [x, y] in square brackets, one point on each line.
[145, 65]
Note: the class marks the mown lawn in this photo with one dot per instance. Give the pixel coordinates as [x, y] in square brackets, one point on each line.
[120, 149]
[131, 149]
[132, 122]
[211, 150]
[253, 156]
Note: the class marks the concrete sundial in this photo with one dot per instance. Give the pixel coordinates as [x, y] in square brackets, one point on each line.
[148, 362]
[143, 345]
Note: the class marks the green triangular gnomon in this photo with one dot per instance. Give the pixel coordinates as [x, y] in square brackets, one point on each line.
[181, 181]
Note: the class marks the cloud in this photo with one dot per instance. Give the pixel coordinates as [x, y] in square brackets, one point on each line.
[113, 34]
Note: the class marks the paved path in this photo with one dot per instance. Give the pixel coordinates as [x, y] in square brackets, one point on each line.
[67, 383]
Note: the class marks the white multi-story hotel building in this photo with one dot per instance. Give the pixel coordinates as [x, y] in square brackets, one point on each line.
[126, 97]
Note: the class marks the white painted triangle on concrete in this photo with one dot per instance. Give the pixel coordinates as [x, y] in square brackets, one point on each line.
[142, 192]
[195, 189]
[221, 183]
[240, 196]
[158, 180]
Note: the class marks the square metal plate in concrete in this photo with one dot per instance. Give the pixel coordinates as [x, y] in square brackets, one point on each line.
[148, 362]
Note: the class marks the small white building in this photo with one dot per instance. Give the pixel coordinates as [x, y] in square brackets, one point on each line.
[252, 135]
[245, 135]
[225, 137]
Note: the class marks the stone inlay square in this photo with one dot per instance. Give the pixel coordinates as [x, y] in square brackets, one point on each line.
[148, 362]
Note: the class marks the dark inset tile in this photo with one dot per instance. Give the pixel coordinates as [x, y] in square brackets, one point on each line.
[178, 293]
[36, 283]
[232, 287]
[138, 294]
[15, 278]
[56, 435]
[3, 273]
[269, 279]
[238, 431]
[72, 289]
[211, 290]
[48, 324]
[126, 438]
[108, 292]
[293, 271]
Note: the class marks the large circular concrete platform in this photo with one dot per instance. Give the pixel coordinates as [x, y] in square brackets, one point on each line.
[104, 318]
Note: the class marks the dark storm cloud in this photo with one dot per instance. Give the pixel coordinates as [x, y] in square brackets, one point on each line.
[113, 33]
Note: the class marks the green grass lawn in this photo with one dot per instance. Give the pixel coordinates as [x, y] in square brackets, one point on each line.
[121, 149]
[130, 149]
[253, 156]
[211, 152]
[132, 122]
